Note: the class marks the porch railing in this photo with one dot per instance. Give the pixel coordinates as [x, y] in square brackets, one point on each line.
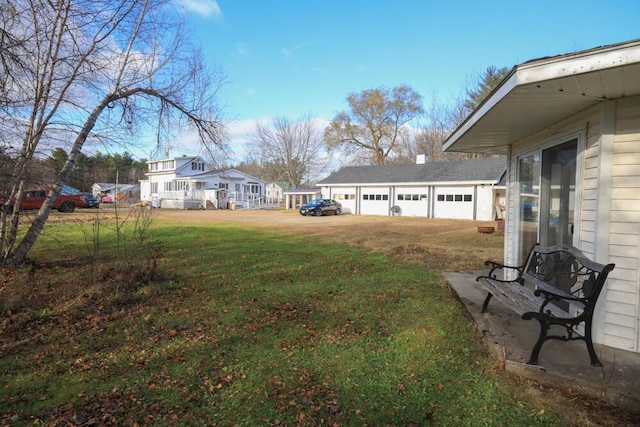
[240, 199]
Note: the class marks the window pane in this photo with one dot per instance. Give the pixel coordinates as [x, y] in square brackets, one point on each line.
[529, 202]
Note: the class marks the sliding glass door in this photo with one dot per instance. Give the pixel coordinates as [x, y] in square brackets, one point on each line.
[528, 202]
[547, 196]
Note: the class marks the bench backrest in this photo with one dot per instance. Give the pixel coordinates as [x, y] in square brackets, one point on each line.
[566, 268]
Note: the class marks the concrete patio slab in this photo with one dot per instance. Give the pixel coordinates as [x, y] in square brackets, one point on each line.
[561, 364]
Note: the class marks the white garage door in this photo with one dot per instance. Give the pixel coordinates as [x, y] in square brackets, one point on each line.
[375, 201]
[412, 201]
[454, 203]
[346, 197]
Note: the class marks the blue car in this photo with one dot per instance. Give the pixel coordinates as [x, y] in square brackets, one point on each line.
[319, 207]
[90, 201]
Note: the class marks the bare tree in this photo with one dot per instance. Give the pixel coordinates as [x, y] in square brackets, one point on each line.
[80, 71]
[440, 119]
[290, 151]
[374, 122]
[434, 130]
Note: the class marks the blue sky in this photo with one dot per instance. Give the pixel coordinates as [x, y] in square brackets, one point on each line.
[293, 57]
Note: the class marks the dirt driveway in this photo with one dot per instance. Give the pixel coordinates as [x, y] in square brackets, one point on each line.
[439, 243]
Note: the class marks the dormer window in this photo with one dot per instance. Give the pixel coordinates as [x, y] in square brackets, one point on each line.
[197, 166]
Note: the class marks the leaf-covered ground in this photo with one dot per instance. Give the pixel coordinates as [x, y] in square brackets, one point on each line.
[311, 321]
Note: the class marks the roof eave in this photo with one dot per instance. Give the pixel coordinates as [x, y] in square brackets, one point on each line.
[539, 93]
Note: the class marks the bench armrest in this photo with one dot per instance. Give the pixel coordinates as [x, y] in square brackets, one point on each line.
[496, 267]
[553, 296]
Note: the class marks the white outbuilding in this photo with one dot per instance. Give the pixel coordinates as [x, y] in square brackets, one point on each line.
[459, 189]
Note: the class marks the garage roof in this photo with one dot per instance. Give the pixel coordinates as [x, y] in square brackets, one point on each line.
[484, 170]
[541, 92]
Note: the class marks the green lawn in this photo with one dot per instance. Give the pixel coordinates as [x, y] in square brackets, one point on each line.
[240, 328]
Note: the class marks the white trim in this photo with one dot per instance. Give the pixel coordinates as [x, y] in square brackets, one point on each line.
[508, 85]
[603, 209]
[578, 63]
[491, 182]
[605, 172]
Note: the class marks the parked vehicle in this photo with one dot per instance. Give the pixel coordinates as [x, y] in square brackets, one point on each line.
[90, 201]
[33, 200]
[319, 207]
[106, 199]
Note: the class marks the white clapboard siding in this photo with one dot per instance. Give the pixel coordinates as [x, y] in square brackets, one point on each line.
[622, 327]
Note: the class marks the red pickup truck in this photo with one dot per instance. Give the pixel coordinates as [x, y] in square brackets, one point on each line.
[33, 199]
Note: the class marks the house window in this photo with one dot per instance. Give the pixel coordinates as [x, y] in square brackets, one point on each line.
[449, 197]
[467, 198]
[223, 185]
[458, 197]
[441, 197]
[168, 164]
[154, 187]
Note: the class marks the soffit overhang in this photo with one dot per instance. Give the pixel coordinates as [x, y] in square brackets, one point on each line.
[542, 92]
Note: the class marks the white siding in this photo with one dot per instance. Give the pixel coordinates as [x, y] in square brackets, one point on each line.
[145, 190]
[485, 204]
[616, 322]
[623, 297]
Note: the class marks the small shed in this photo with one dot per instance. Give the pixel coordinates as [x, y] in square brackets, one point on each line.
[298, 197]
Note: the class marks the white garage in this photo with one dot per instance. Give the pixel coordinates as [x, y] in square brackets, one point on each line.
[462, 189]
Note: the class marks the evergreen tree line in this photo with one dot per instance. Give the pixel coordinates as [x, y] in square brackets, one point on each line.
[86, 171]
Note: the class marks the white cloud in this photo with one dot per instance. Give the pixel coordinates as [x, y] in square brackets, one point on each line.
[292, 50]
[204, 8]
[242, 50]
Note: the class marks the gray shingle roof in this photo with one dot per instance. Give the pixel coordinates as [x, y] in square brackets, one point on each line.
[490, 169]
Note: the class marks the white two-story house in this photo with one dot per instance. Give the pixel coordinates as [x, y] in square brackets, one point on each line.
[188, 182]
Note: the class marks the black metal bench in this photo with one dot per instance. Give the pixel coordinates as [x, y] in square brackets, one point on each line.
[557, 286]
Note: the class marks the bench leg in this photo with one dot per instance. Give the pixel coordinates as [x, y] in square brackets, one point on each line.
[592, 352]
[535, 352]
[485, 304]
